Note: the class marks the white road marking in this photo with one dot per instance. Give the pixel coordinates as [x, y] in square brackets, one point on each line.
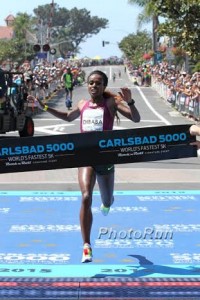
[151, 107]
[78, 120]
[59, 129]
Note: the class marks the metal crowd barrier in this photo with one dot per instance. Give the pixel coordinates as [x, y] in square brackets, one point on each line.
[187, 106]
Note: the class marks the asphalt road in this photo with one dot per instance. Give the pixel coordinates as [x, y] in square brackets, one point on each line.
[155, 111]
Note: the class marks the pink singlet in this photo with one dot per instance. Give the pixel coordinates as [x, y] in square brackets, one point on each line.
[96, 118]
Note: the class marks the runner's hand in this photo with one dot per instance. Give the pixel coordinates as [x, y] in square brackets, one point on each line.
[195, 130]
[125, 94]
[32, 99]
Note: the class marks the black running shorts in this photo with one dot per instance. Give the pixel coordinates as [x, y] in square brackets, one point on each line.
[104, 169]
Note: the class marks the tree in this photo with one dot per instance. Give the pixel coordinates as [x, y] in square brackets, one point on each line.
[182, 23]
[22, 23]
[64, 30]
[8, 51]
[147, 15]
[23, 28]
[69, 28]
[17, 49]
[135, 45]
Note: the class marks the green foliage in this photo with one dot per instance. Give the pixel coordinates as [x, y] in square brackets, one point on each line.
[182, 23]
[22, 23]
[135, 45]
[147, 13]
[69, 28]
[18, 49]
[139, 2]
[8, 50]
[197, 67]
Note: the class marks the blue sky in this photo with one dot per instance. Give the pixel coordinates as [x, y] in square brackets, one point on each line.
[121, 15]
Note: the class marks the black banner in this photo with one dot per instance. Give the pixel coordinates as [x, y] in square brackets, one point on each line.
[96, 148]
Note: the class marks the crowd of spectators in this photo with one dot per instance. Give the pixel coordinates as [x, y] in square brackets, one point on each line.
[41, 80]
[45, 78]
[179, 88]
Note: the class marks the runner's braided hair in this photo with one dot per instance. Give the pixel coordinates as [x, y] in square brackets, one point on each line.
[106, 94]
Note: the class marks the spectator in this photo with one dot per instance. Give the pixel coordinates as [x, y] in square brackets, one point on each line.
[68, 83]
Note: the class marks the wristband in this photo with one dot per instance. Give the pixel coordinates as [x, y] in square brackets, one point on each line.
[45, 108]
[131, 103]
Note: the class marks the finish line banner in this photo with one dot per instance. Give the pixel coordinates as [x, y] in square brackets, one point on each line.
[96, 148]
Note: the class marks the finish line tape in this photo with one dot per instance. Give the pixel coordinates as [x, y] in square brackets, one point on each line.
[96, 148]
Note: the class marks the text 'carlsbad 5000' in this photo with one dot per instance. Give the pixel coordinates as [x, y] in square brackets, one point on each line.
[152, 139]
[49, 148]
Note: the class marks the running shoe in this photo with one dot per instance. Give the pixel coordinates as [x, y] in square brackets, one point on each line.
[105, 210]
[87, 253]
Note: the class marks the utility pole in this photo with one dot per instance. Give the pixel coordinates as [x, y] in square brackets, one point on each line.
[50, 25]
[50, 22]
[154, 37]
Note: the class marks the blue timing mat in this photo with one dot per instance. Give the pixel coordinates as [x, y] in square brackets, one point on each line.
[146, 234]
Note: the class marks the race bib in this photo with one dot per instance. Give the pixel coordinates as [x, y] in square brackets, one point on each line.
[92, 119]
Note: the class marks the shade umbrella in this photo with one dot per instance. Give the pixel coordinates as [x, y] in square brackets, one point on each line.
[97, 57]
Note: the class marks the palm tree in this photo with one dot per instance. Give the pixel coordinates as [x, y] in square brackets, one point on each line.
[23, 34]
[148, 14]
